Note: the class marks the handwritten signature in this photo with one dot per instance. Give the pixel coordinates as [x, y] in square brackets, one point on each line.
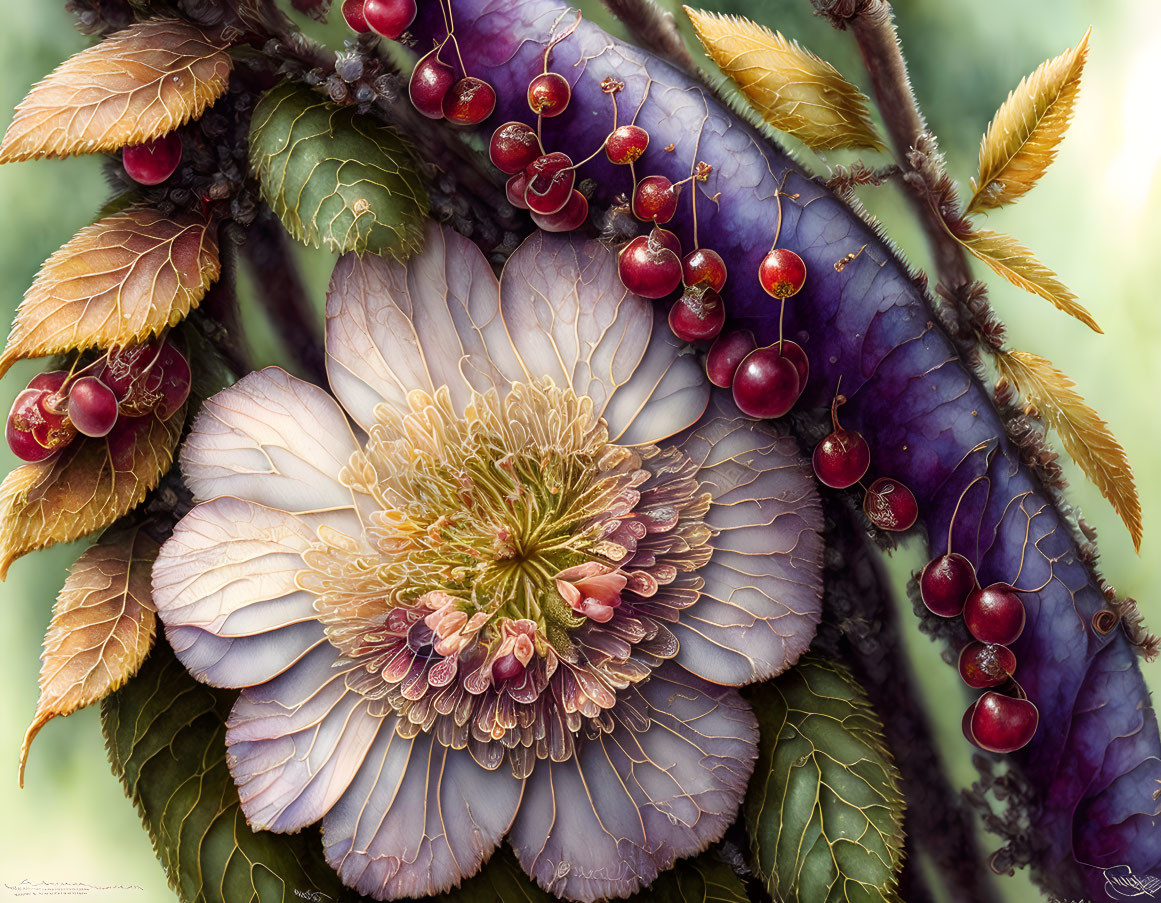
[313, 896]
[28, 888]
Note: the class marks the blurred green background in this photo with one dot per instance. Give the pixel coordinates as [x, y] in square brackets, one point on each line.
[1092, 219]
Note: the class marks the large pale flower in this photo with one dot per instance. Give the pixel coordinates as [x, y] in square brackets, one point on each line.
[513, 599]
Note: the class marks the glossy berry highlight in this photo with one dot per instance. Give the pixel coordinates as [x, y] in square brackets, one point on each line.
[655, 199]
[725, 354]
[353, 14]
[648, 266]
[92, 406]
[945, 583]
[1003, 724]
[626, 144]
[766, 383]
[513, 147]
[549, 94]
[843, 457]
[469, 101]
[154, 161]
[698, 315]
[571, 216]
[390, 18]
[704, 266]
[550, 180]
[431, 80]
[782, 273]
[994, 614]
[983, 665]
[890, 505]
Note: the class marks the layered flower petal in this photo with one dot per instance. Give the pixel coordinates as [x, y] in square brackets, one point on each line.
[418, 818]
[295, 744]
[272, 439]
[762, 598]
[224, 586]
[665, 783]
[394, 328]
[572, 319]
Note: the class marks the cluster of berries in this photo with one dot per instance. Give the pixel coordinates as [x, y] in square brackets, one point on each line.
[1001, 720]
[151, 379]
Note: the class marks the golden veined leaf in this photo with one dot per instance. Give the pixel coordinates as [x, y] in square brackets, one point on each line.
[1021, 140]
[91, 484]
[119, 281]
[1019, 266]
[136, 85]
[101, 630]
[1086, 437]
[796, 91]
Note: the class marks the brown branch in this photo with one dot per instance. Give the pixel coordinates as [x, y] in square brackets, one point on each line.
[654, 29]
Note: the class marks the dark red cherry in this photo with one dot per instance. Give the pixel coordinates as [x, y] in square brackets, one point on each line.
[986, 664]
[548, 94]
[513, 146]
[353, 13]
[571, 216]
[92, 406]
[766, 383]
[704, 265]
[890, 505]
[514, 190]
[389, 18]
[725, 354]
[648, 267]
[176, 380]
[782, 273]
[966, 723]
[431, 80]
[626, 144]
[841, 459]
[550, 182]
[50, 381]
[945, 583]
[793, 352]
[994, 614]
[655, 199]
[1003, 724]
[506, 667]
[54, 429]
[154, 161]
[698, 315]
[23, 419]
[668, 239]
[469, 101]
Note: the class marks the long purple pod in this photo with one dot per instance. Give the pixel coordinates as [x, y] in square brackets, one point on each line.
[1095, 762]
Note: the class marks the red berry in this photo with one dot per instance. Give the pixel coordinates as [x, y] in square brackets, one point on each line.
[513, 146]
[92, 406]
[1002, 723]
[353, 13]
[469, 101]
[986, 664]
[506, 667]
[945, 584]
[890, 505]
[841, 459]
[703, 265]
[667, 239]
[626, 144]
[389, 18]
[793, 352]
[175, 381]
[548, 94]
[514, 190]
[966, 723]
[782, 273]
[655, 200]
[431, 80]
[148, 378]
[648, 267]
[51, 381]
[571, 216]
[698, 315]
[766, 383]
[725, 354]
[154, 161]
[994, 614]
[550, 182]
[24, 418]
[54, 430]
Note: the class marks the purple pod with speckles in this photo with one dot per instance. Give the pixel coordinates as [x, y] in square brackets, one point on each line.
[1095, 762]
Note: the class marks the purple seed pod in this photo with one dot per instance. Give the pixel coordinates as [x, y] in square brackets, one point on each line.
[1095, 762]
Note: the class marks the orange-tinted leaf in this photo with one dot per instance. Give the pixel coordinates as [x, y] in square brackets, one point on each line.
[91, 484]
[1021, 141]
[102, 628]
[1019, 266]
[1086, 437]
[136, 85]
[119, 281]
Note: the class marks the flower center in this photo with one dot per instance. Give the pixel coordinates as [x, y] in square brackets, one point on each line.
[513, 552]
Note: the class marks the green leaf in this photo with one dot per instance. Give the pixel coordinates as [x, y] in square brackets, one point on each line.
[501, 879]
[824, 809]
[334, 177]
[165, 734]
[705, 879]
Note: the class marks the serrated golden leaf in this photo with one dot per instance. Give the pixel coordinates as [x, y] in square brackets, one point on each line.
[1085, 435]
[102, 628]
[119, 281]
[1019, 266]
[91, 484]
[1021, 140]
[138, 84]
[796, 91]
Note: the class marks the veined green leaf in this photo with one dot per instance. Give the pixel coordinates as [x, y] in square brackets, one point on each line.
[336, 178]
[824, 809]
